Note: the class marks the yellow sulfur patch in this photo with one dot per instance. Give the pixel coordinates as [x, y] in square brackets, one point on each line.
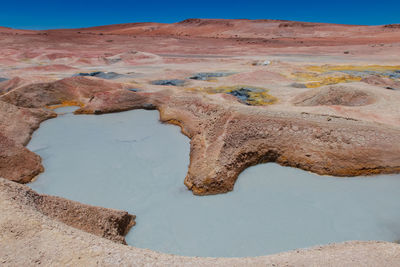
[66, 104]
[333, 80]
[257, 96]
[316, 76]
[326, 68]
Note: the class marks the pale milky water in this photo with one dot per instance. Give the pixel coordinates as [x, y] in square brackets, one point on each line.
[130, 161]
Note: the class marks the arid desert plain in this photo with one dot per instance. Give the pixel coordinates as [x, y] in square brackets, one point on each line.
[321, 101]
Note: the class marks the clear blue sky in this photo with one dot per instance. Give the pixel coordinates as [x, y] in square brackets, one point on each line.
[46, 14]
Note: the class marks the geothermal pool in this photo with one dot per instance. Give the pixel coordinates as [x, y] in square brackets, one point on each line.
[132, 162]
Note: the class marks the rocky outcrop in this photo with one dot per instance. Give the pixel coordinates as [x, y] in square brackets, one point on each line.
[75, 89]
[9, 85]
[16, 126]
[22, 111]
[18, 163]
[225, 141]
[119, 100]
[226, 138]
[18, 123]
[107, 223]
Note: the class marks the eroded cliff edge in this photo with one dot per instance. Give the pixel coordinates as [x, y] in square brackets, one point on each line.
[103, 222]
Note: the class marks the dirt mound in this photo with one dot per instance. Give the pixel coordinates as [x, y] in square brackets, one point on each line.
[103, 222]
[8, 85]
[382, 82]
[334, 95]
[75, 89]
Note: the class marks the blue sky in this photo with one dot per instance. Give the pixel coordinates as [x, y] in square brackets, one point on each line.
[45, 14]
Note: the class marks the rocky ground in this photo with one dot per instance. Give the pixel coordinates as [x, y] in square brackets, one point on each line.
[319, 97]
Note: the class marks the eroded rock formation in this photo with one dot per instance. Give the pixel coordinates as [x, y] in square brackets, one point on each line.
[107, 223]
[17, 124]
[227, 138]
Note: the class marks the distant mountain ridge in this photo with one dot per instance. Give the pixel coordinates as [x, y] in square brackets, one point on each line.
[264, 29]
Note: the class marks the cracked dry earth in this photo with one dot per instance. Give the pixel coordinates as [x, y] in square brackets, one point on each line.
[344, 128]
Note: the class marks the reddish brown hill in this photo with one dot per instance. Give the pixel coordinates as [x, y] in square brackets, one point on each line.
[254, 29]
[6, 30]
[235, 32]
[126, 28]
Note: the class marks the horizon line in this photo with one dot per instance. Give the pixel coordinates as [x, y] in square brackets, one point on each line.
[170, 23]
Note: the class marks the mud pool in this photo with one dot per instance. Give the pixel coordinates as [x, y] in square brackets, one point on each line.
[132, 162]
